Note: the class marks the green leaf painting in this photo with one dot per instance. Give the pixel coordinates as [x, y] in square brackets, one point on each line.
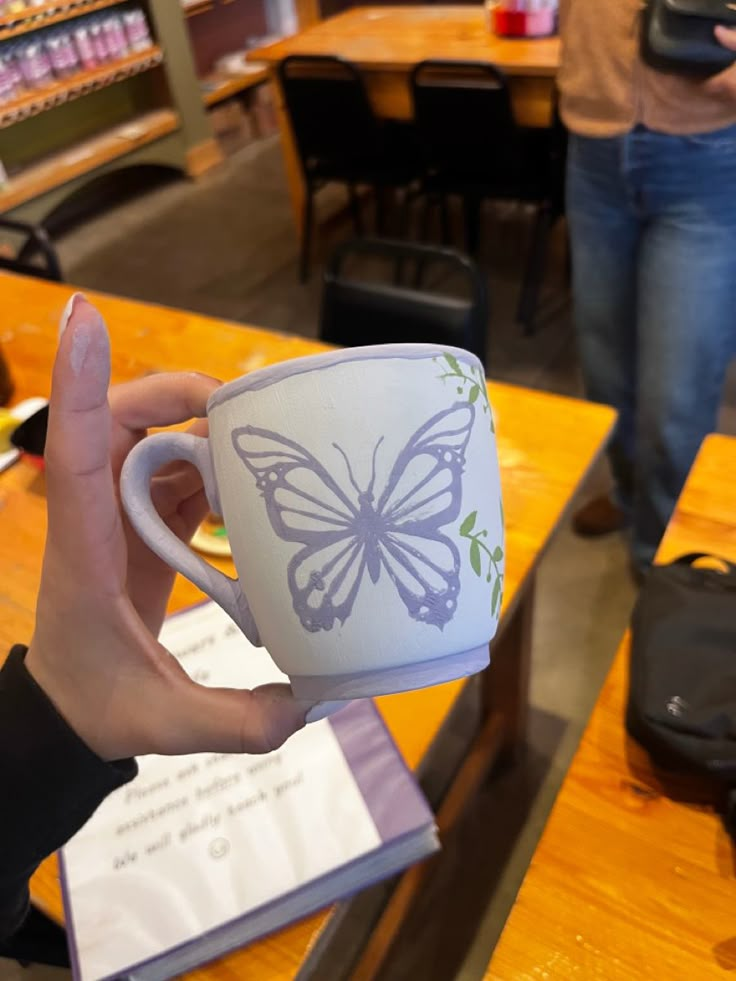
[469, 381]
[468, 523]
[493, 556]
[496, 594]
[475, 557]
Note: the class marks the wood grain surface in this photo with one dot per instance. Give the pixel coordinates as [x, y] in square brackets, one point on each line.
[546, 445]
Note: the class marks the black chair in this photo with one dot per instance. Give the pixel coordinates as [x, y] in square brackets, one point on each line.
[339, 138]
[359, 308]
[472, 147]
[37, 245]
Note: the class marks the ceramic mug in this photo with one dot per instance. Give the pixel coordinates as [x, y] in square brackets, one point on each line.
[360, 492]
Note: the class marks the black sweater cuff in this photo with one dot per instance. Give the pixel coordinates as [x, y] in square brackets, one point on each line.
[52, 784]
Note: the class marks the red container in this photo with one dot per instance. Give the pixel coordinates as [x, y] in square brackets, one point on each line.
[506, 23]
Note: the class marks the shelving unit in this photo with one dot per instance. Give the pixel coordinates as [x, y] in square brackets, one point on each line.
[158, 118]
[47, 14]
[88, 155]
[82, 83]
[132, 116]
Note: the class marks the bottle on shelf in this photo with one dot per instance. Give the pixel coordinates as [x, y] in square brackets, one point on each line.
[84, 46]
[99, 42]
[137, 30]
[35, 65]
[60, 52]
[117, 42]
[63, 57]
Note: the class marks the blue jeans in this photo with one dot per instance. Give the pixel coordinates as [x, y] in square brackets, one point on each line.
[653, 227]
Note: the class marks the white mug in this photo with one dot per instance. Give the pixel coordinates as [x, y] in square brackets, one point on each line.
[360, 492]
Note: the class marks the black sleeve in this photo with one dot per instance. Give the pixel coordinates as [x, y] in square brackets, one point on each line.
[50, 784]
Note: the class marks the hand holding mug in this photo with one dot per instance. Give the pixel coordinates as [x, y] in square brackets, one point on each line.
[103, 592]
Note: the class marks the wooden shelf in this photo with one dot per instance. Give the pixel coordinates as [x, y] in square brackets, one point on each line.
[197, 7]
[44, 15]
[40, 100]
[221, 87]
[87, 156]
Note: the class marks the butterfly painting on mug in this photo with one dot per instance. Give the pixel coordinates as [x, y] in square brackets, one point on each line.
[393, 525]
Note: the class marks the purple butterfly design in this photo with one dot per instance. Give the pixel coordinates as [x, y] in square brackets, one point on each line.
[346, 531]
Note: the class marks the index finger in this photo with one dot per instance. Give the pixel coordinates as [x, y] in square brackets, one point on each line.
[81, 499]
[166, 399]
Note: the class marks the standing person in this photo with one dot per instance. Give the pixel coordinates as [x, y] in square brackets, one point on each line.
[651, 199]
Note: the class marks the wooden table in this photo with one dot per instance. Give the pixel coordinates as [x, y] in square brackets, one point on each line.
[386, 43]
[628, 881]
[546, 446]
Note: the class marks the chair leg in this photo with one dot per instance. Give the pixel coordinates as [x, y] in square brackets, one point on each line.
[380, 211]
[534, 272]
[355, 211]
[402, 232]
[445, 221]
[471, 211]
[425, 218]
[423, 237]
[306, 233]
[405, 214]
[568, 258]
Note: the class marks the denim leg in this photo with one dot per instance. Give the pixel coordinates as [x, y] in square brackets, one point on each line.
[604, 232]
[686, 320]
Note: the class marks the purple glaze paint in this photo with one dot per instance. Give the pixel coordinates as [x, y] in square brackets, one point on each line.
[255, 381]
[346, 532]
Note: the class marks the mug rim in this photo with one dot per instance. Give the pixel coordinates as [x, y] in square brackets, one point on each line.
[273, 374]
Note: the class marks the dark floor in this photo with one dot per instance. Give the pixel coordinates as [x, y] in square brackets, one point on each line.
[226, 246]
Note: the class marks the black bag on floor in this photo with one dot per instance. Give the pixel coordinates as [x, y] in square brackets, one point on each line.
[682, 684]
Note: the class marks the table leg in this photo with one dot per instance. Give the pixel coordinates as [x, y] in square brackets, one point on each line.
[506, 682]
[307, 13]
[294, 176]
[500, 737]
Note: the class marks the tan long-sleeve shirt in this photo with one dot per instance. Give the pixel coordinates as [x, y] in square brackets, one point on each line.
[605, 87]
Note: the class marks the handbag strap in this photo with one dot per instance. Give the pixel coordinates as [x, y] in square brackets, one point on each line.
[690, 558]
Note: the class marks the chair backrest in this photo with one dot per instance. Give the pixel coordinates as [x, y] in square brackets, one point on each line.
[464, 118]
[358, 308]
[37, 245]
[329, 110]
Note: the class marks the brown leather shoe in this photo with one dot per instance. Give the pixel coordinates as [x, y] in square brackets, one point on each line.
[598, 517]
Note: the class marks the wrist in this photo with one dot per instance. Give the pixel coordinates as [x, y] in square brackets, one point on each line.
[46, 679]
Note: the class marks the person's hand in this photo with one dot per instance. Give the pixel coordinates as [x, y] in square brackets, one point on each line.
[724, 83]
[103, 593]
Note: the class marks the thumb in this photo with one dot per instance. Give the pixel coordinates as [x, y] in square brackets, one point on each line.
[229, 720]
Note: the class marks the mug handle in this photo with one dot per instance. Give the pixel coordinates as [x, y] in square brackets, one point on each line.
[141, 464]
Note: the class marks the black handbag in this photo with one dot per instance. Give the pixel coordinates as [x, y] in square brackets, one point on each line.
[682, 684]
[677, 35]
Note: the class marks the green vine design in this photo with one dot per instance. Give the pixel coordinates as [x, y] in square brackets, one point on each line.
[494, 572]
[472, 384]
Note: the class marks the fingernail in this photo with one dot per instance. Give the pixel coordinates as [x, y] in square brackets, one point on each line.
[68, 311]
